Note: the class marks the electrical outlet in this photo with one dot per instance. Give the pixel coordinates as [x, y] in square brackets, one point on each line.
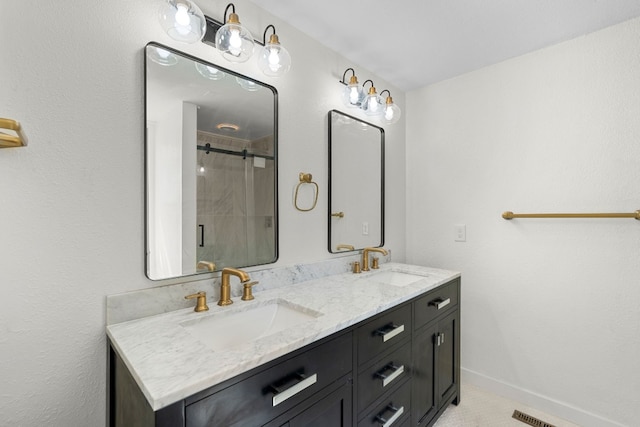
[460, 233]
[365, 228]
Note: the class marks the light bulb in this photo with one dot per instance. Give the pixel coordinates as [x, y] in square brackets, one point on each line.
[182, 20]
[182, 15]
[234, 41]
[353, 95]
[274, 59]
[392, 112]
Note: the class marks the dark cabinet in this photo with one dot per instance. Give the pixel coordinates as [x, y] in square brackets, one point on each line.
[436, 356]
[398, 368]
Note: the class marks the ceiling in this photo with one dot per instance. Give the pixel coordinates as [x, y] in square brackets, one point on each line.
[414, 43]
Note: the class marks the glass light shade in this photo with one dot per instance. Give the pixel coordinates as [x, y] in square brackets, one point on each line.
[162, 56]
[234, 41]
[182, 20]
[353, 95]
[391, 112]
[247, 84]
[209, 72]
[274, 59]
[373, 104]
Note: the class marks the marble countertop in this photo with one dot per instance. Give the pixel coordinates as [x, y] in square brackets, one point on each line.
[170, 364]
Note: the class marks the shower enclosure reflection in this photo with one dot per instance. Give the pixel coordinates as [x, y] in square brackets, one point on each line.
[210, 167]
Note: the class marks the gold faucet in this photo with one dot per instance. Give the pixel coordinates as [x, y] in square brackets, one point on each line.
[225, 285]
[209, 266]
[365, 256]
[201, 303]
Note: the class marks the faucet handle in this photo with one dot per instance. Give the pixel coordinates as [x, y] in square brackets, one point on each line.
[246, 291]
[201, 303]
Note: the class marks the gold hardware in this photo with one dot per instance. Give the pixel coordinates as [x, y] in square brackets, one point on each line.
[374, 263]
[305, 178]
[365, 256]
[356, 267]
[338, 214]
[210, 266]
[345, 246]
[225, 285]
[511, 215]
[201, 302]
[246, 291]
[9, 141]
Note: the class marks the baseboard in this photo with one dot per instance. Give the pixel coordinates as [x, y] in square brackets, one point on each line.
[535, 400]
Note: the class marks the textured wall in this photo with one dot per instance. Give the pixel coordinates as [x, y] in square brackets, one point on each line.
[550, 307]
[72, 203]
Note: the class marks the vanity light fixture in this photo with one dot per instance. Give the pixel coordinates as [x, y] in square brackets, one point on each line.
[232, 39]
[274, 60]
[182, 20]
[353, 94]
[372, 104]
[391, 112]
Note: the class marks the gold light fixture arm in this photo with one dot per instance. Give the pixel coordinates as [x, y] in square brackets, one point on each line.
[306, 178]
[9, 141]
[634, 215]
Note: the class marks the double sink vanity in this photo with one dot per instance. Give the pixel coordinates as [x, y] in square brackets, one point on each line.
[378, 348]
[318, 345]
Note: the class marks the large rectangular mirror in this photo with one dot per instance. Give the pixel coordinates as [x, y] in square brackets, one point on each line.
[211, 167]
[356, 183]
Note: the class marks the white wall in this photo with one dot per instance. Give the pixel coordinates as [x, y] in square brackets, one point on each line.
[72, 203]
[550, 306]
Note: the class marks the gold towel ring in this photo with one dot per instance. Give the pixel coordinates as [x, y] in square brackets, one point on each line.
[305, 178]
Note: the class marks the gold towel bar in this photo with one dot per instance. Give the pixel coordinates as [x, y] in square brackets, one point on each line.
[511, 215]
[17, 140]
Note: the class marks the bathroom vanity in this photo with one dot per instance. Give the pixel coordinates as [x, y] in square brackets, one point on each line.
[370, 349]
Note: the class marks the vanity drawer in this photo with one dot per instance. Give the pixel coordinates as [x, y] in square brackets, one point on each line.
[392, 411]
[383, 375]
[263, 396]
[383, 333]
[436, 302]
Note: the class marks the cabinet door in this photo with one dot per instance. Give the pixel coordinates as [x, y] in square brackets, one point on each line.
[424, 396]
[447, 355]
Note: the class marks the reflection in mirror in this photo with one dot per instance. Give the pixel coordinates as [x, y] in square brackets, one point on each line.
[211, 178]
[356, 183]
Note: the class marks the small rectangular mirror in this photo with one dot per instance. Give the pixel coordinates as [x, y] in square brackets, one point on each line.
[356, 183]
[211, 167]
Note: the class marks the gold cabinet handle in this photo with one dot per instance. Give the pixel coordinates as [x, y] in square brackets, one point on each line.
[338, 214]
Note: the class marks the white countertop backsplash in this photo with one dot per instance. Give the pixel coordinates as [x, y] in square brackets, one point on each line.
[169, 364]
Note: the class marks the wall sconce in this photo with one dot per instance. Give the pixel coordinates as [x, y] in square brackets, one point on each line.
[372, 104]
[182, 20]
[232, 39]
[353, 93]
[274, 60]
[391, 112]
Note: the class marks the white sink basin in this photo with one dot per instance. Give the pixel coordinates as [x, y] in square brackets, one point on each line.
[220, 331]
[395, 278]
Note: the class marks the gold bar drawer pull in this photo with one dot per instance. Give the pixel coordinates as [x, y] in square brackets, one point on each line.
[283, 395]
[440, 303]
[389, 331]
[387, 379]
[397, 414]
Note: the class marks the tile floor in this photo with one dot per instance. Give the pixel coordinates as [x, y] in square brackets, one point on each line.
[480, 408]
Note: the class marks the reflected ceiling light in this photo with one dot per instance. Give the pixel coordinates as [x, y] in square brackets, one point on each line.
[372, 104]
[162, 56]
[353, 94]
[247, 84]
[232, 39]
[209, 72]
[274, 60]
[182, 20]
[391, 112]
[228, 126]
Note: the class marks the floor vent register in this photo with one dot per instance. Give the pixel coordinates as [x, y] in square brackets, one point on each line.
[528, 419]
